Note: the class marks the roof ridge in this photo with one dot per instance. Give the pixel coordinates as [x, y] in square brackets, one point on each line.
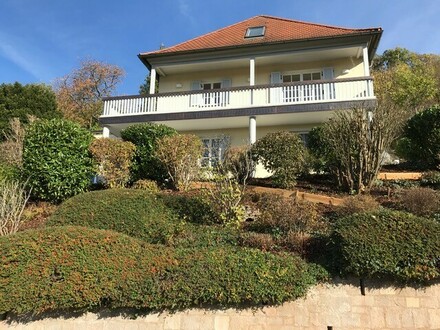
[315, 24]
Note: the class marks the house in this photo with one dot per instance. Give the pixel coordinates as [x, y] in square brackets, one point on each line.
[260, 75]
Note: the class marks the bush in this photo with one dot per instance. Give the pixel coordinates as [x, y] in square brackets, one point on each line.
[81, 268]
[255, 240]
[180, 155]
[431, 179]
[238, 162]
[13, 199]
[147, 185]
[421, 201]
[388, 244]
[145, 138]
[56, 159]
[421, 139]
[282, 153]
[113, 159]
[289, 221]
[136, 213]
[357, 204]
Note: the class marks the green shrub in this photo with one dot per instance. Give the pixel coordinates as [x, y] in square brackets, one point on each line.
[388, 244]
[147, 185]
[81, 268]
[180, 155]
[421, 138]
[282, 153]
[190, 207]
[431, 179]
[145, 138]
[56, 159]
[136, 213]
[113, 160]
[9, 172]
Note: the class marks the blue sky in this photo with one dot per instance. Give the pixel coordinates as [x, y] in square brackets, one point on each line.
[41, 40]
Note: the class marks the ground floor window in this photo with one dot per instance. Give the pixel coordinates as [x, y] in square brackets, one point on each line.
[214, 150]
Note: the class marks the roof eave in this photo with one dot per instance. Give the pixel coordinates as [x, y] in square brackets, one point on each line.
[375, 38]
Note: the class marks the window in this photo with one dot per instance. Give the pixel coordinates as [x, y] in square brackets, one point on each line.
[213, 151]
[308, 76]
[295, 93]
[257, 31]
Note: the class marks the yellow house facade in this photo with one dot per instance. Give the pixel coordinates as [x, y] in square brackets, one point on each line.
[260, 75]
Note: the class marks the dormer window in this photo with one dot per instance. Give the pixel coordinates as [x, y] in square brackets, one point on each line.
[257, 31]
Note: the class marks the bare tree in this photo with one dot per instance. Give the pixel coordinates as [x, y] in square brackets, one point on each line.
[13, 199]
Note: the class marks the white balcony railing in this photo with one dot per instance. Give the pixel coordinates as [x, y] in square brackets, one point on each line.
[352, 89]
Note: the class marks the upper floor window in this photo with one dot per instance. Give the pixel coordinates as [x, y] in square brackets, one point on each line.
[306, 76]
[257, 31]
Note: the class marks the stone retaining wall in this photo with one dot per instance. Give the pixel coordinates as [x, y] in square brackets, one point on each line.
[327, 307]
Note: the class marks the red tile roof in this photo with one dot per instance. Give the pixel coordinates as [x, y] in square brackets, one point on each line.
[277, 30]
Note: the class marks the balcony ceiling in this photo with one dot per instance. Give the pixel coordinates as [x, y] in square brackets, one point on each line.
[261, 60]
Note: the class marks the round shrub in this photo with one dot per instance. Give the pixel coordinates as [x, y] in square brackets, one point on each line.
[421, 201]
[388, 244]
[133, 212]
[56, 159]
[81, 268]
[282, 153]
[421, 138]
[145, 137]
[147, 185]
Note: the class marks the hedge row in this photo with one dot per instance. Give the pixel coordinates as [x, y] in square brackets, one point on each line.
[81, 268]
[388, 244]
[175, 220]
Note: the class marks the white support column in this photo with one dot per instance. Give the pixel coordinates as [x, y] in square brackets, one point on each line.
[252, 130]
[252, 72]
[105, 132]
[366, 62]
[152, 80]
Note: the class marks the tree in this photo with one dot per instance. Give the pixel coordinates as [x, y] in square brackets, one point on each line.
[79, 94]
[21, 101]
[144, 89]
[408, 79]
[354, 143]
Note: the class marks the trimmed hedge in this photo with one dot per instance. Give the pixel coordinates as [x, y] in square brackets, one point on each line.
[388, 244]
[134, 212]
[81, 268]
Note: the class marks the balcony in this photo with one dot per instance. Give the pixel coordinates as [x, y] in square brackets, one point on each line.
[248, 97]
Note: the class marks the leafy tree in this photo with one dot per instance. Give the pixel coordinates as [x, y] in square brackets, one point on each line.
[407, 79]
[353, 143]
[56, 159]
[21, 101]
[79, 94]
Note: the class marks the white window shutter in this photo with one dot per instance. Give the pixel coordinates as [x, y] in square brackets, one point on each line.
[195, 99]
[327, 73]
[275, 92]
[329, 88]
[226, 83]
[275, 78]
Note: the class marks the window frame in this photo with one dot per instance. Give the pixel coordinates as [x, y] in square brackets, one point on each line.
[249, 30]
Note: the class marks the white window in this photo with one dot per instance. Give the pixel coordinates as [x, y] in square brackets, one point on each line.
[257, 31]
[294, 93]
[214, 150]
[307, 76]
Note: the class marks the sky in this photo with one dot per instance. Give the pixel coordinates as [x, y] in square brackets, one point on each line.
[41, 40]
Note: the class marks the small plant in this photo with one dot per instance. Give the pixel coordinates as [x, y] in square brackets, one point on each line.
[431, 179]
[13, 199]
[358, 204]
[12, 148]
[225, 196]
[180, 156]
[238, 162]
[260, 241]
[147, 185]
[282, 153]
[113, 158]
[421, 201]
